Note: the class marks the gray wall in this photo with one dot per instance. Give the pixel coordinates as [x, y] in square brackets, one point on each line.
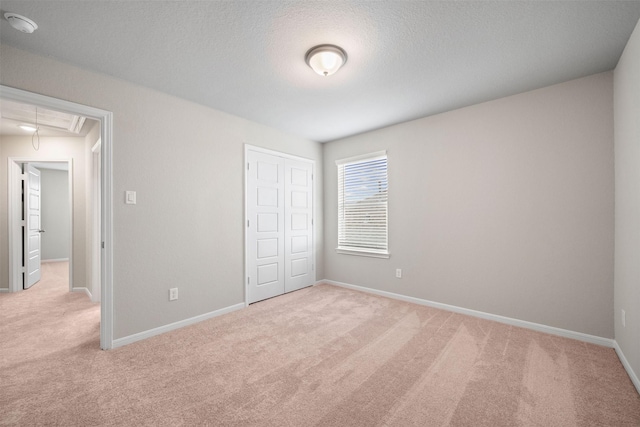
[55, 214]
[627, 178]
[504, 207]
[186, 163]
[50, 148]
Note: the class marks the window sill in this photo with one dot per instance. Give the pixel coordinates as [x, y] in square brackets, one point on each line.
[362, 253]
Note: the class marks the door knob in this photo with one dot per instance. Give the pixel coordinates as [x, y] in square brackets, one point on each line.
[40, 231]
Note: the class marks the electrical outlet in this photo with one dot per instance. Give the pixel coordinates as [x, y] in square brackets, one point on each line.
[624, 319]
[173, 294]
[399, 273]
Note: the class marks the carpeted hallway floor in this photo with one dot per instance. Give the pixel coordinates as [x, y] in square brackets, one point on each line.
[322, 356]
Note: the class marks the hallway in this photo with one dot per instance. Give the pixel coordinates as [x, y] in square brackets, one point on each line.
[46, 318]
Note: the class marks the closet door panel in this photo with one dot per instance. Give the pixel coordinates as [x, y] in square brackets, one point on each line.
[265, 226]
[299, 267]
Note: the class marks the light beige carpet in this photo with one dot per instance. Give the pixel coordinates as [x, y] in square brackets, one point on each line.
[321, 356]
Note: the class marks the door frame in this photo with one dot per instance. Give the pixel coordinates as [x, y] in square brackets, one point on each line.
[14, 218]
[106, 135]
[96, 156]
[247, 148]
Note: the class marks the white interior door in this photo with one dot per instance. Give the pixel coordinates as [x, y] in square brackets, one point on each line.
[265, 226]
[32, 231]
[299, 263]
[279, 242]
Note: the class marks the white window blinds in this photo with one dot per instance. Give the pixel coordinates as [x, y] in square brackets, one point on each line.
[362, 204]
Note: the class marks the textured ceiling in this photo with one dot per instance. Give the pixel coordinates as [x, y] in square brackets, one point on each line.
[406, 59]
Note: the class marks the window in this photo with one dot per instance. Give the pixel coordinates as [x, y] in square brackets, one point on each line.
[362, 205]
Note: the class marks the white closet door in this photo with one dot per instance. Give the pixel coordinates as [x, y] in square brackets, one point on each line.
[265, 227]
[298, 263]
[279, 243]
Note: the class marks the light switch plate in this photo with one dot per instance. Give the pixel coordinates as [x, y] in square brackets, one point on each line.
[130, 197]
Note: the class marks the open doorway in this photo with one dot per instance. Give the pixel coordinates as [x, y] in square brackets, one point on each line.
[90, 250]
[47, 220]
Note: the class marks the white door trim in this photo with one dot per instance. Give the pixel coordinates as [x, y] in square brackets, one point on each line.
[14, 214]
[106, 134]
[95, 156]
[247, 148]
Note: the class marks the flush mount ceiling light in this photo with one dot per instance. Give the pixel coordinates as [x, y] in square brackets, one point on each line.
[28, 128]
[21, 23]
[325, 59]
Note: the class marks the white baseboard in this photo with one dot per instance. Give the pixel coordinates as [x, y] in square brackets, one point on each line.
[85, 290]
[176, 325]
[4, 290]
[627, 366]
[606, 342]
[55, 260]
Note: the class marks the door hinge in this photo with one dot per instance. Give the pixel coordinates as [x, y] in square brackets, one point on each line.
[247, 223]
[247, 165]
[248, 280]
[102, 245]
[23, 176]
[24, 270]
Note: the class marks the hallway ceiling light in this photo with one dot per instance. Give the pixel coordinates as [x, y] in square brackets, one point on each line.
[325, 59]
[28, 128]
[48, 120]
[21, 23]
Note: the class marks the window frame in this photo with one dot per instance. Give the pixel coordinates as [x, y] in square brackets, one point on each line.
[354, 250]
